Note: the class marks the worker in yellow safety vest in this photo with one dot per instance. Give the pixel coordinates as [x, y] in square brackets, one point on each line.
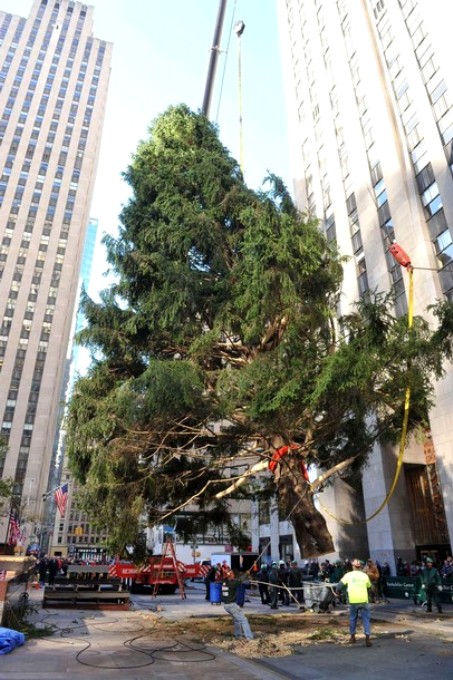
[358, 585]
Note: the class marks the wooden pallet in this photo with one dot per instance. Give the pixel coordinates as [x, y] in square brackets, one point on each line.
[85, 598]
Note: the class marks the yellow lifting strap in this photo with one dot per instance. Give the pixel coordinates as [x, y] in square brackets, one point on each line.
[402, 446]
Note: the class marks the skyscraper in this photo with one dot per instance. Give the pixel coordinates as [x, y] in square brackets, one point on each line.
[371, 87]
[53, 86]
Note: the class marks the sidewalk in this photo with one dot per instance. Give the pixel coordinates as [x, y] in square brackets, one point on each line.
[95, 645]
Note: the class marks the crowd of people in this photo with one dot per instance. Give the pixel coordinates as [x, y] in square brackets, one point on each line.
[416, 567]
[358, 582]
[286, 579]
[281, 583]
[48, 567]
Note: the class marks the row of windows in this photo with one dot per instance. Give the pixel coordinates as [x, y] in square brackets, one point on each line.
[35, 284]
[351, 204]
[29, 419]
[78, 89]
[380, 192]
[62, 160]
[443, 114]
[310, 75]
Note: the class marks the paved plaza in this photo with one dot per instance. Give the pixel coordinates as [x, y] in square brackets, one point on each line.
[95, 645]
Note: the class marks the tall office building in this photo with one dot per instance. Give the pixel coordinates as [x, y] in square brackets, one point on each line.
[53, 86]
[371, 87]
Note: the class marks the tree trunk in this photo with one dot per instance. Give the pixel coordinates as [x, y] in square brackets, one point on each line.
[296, 503]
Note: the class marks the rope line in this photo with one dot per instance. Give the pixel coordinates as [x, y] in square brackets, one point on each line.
[227, 51]
[241, 130]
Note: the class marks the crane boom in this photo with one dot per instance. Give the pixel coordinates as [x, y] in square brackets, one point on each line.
[215, 51]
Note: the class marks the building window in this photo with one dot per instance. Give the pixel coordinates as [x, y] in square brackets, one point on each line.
[384, 213]
[433, 207]
[425, 178]
[430, 193]
[441, 106]
[362, 278]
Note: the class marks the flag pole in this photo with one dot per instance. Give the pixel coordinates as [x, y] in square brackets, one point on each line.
[46, 495]
[9, 522]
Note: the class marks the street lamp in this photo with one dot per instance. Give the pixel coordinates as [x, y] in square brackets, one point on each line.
[238, 28]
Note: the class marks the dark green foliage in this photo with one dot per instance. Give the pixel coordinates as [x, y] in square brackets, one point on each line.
[6, 492]
[219, 337]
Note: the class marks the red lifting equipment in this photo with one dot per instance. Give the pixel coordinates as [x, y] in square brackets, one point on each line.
[400, 255]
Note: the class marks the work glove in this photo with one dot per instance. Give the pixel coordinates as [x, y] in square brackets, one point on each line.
[423, 586]
[439, 588]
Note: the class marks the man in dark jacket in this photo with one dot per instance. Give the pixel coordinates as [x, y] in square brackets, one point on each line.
[295, 581]
[431, 584]
[208, 579]
[283, 575]
[53, 569]
[42, 570]
[273, 585]
[231, 586]
[262, 577]
[400, 568]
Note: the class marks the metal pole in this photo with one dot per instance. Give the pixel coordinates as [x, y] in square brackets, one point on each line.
[215, 50]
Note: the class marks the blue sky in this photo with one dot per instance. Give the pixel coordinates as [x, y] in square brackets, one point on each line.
[161, 55]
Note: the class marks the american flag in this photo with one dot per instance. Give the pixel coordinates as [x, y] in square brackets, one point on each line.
[61, 498]
[15, 534]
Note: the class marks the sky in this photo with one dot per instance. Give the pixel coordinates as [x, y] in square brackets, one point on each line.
[160, 58]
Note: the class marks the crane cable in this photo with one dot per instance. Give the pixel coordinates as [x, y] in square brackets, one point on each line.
[241, 134]
[238, 28]
[227, 52]
[407, 399]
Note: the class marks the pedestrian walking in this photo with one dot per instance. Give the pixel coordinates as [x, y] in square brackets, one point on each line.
[358, 586]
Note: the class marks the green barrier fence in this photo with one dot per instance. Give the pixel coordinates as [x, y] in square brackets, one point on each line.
[410, 588]
[402, 587]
